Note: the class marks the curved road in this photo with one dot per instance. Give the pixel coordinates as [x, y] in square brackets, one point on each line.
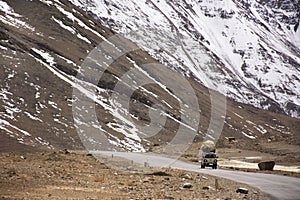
[277, 186]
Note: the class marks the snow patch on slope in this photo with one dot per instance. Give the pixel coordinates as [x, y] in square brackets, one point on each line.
[131, 139]
[257, 61]
[11, 18]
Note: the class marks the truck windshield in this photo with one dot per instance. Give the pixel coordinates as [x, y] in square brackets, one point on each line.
[210, 156]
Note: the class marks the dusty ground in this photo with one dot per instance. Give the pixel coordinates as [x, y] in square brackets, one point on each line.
[57, 175]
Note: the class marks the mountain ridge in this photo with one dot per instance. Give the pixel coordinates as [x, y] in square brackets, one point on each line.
[233, 43]
[43, 54]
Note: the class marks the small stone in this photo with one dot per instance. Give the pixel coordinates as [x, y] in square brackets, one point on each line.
[12, 173]
[65, 151]
[242, 190]
[204, 177]
[269, 140]
[169, 198]
[131, 188]
[159, 173]
[187, 176]
[187, 185]
[231, 140]
[146, 180]
[207, 188]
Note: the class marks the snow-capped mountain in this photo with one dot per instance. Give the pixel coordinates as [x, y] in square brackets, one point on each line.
[47, 48]
[251, 47]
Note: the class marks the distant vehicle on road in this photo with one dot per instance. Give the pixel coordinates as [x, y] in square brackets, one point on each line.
[209, 160]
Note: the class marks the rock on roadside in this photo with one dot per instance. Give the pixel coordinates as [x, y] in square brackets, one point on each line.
[266, 165]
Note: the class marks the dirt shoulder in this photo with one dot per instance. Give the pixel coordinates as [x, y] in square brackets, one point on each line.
[61, 175]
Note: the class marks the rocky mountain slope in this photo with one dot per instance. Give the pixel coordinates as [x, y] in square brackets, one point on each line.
[247, 50]
[47, 101]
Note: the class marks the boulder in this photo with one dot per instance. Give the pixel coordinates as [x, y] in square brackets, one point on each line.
[242, 190]
[266, 165]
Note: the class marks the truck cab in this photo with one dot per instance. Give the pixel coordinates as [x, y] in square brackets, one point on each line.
[209, 160]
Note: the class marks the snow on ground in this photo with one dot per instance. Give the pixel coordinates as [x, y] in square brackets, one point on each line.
[31, 116]
[4, 7]
[49, 59]
[78, 21]
[71, 30]
[7, 125]
[61, 24]
[67, 60]
[12, 18]
[248, 135]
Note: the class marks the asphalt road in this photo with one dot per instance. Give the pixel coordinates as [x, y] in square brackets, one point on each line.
[277, 186]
